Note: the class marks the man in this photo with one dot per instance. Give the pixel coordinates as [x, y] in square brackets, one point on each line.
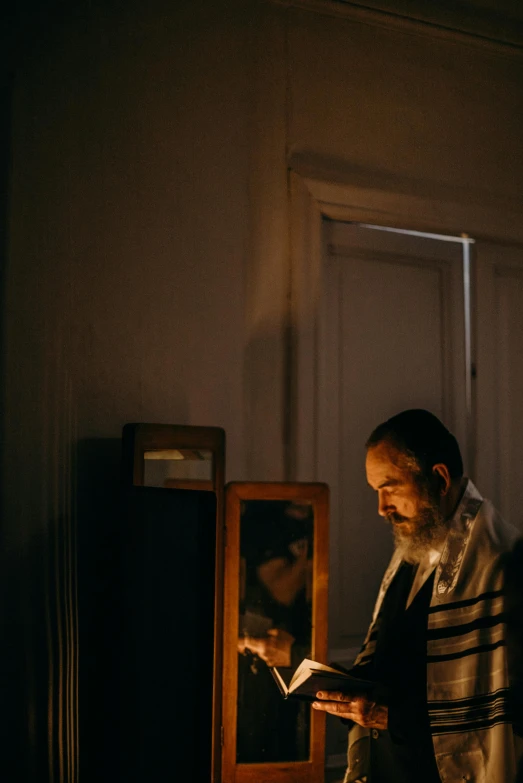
[444, 645]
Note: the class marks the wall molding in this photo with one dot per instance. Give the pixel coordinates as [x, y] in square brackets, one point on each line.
[454, 30]
[345, 191]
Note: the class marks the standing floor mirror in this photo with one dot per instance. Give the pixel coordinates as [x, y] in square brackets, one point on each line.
[275, 614]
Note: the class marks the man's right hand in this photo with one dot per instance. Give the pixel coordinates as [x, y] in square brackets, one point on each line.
[359, 709]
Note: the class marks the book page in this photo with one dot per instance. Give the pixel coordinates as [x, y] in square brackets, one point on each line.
[304, 669]
[281, 682]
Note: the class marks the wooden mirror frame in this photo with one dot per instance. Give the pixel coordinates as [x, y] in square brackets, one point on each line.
[139, 438]
[311, 770]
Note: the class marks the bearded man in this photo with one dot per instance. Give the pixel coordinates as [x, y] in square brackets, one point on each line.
[445, 644]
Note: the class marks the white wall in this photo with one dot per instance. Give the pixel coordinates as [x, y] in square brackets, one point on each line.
[391, 102]
[129, 217]
[125, 301]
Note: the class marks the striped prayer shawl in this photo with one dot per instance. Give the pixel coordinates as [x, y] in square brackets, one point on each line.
[470, 685]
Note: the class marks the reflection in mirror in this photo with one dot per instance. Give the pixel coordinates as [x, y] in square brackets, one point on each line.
[275, 628]
[178, 468]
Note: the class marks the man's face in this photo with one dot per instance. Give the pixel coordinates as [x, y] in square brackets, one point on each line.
[404, 501]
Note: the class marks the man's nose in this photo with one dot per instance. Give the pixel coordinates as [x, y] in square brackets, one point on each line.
[384, 505]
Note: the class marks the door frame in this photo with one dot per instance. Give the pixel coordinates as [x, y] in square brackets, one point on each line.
[315, 193]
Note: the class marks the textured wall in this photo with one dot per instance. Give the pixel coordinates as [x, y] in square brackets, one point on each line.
[124, 302]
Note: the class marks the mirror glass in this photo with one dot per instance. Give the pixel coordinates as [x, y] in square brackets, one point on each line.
[275, 628]
[178, 468]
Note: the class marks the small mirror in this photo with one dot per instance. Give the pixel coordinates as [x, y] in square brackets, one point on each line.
[174, 456]
[276, 571]
[178, 468]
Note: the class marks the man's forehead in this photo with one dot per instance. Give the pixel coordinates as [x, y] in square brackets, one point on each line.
[385, 452]
[384, 461]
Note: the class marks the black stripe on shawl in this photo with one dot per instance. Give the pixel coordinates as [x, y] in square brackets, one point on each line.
[466, 602]
[476, 717]
[469, 701]
[464, 653]
[459, 728]
[495, 711]
[474, 625]
[458, 717]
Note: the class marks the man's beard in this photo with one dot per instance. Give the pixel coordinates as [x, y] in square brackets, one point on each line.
[429, 533]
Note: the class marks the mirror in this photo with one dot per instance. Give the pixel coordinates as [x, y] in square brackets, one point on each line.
[275, 585]
[174, 456]
[275, 627]
[178, 468]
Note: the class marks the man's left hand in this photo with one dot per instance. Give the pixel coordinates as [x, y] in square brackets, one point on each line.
[359, 709]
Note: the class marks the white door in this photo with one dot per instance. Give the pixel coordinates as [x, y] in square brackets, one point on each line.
[391, 336]
[499, 383]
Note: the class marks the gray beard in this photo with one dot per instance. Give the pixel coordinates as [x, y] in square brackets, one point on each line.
[430, 533]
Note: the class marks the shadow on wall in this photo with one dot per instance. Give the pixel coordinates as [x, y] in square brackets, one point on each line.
[10, 684]
[57, 652]
[267, 384]
[99, 494]
[27, 683]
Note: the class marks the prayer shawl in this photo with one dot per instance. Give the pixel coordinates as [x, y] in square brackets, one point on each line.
[473, 679]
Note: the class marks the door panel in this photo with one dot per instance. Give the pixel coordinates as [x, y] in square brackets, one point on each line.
[499, 383]
[391, 337]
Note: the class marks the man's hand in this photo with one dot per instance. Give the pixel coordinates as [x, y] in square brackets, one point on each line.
[359, 709]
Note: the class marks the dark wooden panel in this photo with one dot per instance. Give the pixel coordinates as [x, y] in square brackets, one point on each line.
[165, 654]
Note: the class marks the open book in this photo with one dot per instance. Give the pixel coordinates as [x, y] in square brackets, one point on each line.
[311, 677]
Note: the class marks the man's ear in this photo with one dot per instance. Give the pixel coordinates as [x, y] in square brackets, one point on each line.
[442, 475]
